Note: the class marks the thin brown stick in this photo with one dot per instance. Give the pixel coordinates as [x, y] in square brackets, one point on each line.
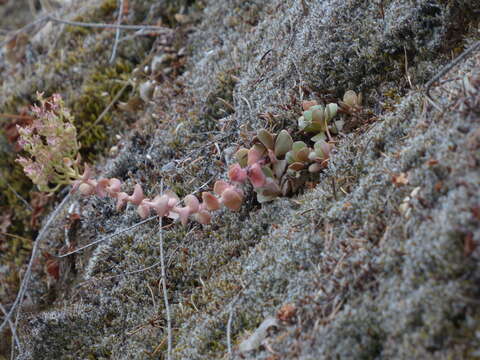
[107, 237]
[14, 236]
[13, 116]
[106, 110]
[116, 98]
[229, 325]
[17, 195]
[24, 28]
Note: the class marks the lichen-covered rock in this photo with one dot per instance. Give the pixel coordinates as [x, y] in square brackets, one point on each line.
[377, 255]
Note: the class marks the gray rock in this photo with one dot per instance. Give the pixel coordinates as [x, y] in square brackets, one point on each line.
[366, 281]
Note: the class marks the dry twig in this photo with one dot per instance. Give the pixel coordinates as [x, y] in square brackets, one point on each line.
[117, 32]
[157, 29]
[13, 329]
[445, 70]
[17, 304]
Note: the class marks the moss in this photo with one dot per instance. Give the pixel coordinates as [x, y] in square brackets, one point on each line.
[78, 31]
[220, 101]
[107, 8]
[96, 93]
[170, 8]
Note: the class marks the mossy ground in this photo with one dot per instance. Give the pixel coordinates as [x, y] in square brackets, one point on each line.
[74, 62]
[366, 280]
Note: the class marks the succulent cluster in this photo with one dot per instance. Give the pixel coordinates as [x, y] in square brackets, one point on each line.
[51, 142]
[317, 119]
[351, 100]
[275, 165]
[167, 204]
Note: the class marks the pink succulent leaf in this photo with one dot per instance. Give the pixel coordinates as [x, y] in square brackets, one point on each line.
[160, 205]
[192, 202]
[220, 186]
[121, 200]
[86, 189]
[253, 156]
[203, 217]
[91, 182]
[183, 213]
[87, 173]
[114, 187]
[272, 156]
[144, 209]
[256, 175]
[75, 185]
[232, 199]
[172, 202]
[101, 189]
[210, 201]
[137, 196]
[237, 174]
[238, 191]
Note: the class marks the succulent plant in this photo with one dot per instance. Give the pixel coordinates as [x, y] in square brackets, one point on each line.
[283, 143]
[317, 117]
[319, 156]
[297, 158]
[274, 165]
[51, 145]
[351, 99]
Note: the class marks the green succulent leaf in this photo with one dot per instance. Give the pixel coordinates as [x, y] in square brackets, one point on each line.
[267, 171]
[319, 137]
[241, 156]
[279, 168]
[266, 138]
[289, 157]
[283, 143]
[318, 116]
[308, 116]
[297, 146]
[330, 111]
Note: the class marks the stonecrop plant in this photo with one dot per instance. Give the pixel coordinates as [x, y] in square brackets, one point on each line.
[51, 142]
[275, 165]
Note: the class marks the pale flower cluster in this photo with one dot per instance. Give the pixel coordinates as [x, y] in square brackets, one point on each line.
[51, 142]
